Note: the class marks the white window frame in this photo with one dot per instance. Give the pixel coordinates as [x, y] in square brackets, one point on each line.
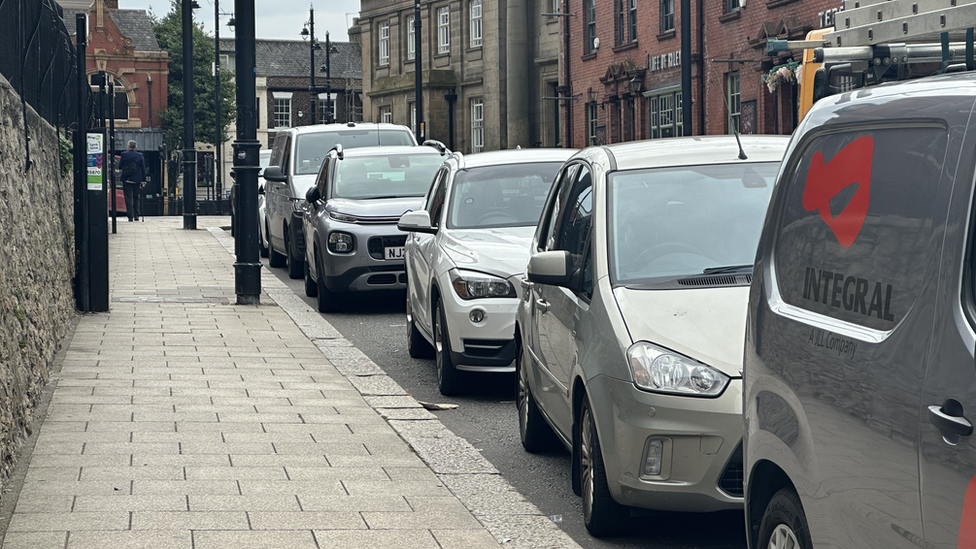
[384, 44]
[386, 114]
[411, 39]
[444, 30]
[477, 125]
[412, 107]
[281, 113]
[733, 96]
[667, 15]
[476, 27]
[664, 113]
[591, 123]
[326, 100]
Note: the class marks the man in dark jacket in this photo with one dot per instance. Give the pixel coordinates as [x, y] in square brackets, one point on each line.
[133, 168]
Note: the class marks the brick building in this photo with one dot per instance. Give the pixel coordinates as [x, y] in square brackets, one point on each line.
[621, 64]
[121, 43]
[487, 70]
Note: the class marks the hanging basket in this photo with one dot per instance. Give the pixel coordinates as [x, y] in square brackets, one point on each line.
[787, 73]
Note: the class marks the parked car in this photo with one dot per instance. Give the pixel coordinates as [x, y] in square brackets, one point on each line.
[296, 157]
[859, 367]
[265, 159]
[631, 321]
[351, 213]
[465, 253]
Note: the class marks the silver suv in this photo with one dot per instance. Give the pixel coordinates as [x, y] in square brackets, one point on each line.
[351, 213]
[296, 157]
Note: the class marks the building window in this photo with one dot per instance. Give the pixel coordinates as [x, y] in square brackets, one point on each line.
[664, 114]
[633, 20]
[326, 107]
[477, 125]
[121, 103]
[444, 30]
[413, 116]
[411, 39]
[282, 109]
[590, 9]
[591, 123]
[354, 105]
[384, 44]
[732, 98]
[621, 27]
[475, 23]
[731, 5]
[386, 114]
[556, 6]
[667, 15]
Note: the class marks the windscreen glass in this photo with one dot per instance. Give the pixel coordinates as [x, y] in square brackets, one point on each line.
[671, 222]
[500, 196]
[387, 176]
[312, 147]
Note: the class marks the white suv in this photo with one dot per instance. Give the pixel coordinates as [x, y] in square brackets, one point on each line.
[466, 250]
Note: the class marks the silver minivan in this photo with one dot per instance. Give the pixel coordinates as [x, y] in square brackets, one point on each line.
[859, 373]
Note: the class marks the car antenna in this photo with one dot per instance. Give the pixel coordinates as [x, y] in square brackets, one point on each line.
[735, 130]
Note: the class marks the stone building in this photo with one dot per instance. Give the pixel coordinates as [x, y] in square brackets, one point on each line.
[121, 43]
[488, 67]
[622, 67]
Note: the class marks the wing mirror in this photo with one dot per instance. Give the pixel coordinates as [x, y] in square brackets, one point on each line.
[554, 268]
[416, 222]
[312, 195]
[274, 173]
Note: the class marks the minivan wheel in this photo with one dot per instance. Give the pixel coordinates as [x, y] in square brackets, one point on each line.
[417, 345]
[326, 299]
[448, 377]
[536, 435]
[601, 514]
[311, 286]
[275, 259]
[783, 525]
[296, 266]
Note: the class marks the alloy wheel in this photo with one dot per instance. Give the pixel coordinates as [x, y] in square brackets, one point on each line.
[783, 538]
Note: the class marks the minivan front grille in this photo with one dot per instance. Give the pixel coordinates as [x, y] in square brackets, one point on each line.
[723, 280]
[378, 244]
[731, 480]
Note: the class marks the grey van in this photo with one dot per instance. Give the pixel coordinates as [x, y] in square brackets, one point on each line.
[859, 372]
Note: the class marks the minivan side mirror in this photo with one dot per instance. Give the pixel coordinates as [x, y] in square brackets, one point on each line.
[553, 267]
[274, 173]
[416, 222]
[312, 195]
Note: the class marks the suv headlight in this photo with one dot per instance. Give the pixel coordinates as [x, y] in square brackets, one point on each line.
[662, 371]
[341, 243]
[472, 285]
[345, 218]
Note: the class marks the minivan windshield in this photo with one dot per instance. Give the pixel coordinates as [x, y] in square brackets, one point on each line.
[312, 147]
[388, 176]
[500, 196]
[691, 220]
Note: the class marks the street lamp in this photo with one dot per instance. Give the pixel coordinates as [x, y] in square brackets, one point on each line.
[327, 69]
[308, 32]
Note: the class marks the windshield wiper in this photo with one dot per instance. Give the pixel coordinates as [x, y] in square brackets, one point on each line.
[728, 269]
[383, 197]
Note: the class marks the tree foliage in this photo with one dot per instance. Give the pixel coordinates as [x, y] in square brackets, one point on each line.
[169, 33]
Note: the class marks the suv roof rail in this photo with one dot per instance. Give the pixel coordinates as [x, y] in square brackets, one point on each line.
[338, 149]
[351, 124]
[441, 147]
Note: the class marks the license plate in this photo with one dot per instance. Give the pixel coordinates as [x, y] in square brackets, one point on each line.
[393, 252]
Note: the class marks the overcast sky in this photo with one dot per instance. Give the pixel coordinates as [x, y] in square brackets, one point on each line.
[278, 19]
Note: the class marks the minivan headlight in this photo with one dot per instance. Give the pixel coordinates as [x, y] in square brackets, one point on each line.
[662, 371]
[471, 285]
[341, 243]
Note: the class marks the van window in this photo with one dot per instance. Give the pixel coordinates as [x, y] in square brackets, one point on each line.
[312, 147]
[856, 236]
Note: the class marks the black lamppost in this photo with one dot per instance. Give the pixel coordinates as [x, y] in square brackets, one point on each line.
[417, 67]
[327, 69]
[189, 143]
[247, 268]
[308, 31]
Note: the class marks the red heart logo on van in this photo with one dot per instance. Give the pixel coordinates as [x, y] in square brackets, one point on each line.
[825, 180]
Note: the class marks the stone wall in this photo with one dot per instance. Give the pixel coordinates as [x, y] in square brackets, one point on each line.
[36, 268]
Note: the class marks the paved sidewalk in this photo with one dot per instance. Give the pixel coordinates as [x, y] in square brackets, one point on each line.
[182, 420]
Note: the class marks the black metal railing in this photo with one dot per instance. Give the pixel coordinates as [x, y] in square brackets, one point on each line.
[39, 58]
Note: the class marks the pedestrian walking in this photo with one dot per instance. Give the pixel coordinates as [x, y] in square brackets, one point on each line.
[133, 168]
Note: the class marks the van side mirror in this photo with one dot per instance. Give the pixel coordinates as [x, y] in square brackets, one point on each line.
[312, 195]
[416, 222]
[554, 268]
[274, 173]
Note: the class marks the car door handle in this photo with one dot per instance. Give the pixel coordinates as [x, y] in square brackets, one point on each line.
[542, 305]
[948, 418]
